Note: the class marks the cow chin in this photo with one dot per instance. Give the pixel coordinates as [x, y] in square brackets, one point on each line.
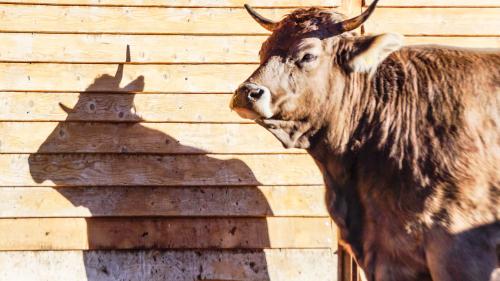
[246, 113]
[253, 114]
[260, 109]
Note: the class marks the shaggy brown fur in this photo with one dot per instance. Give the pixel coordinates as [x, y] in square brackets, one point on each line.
[410, 152]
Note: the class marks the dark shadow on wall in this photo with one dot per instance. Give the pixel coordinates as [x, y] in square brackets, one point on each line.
[155, 192]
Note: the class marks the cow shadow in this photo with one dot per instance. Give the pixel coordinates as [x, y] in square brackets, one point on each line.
[128, 187]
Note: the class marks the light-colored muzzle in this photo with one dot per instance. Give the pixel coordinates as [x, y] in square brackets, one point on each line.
[252, 101]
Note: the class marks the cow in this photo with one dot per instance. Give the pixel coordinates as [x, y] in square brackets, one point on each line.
[406, 137]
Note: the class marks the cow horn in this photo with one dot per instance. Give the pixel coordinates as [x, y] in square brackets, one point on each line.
[265, 23]
[356, 22]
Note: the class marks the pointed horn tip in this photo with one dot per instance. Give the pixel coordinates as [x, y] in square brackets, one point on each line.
[264, 22]
[357, 21]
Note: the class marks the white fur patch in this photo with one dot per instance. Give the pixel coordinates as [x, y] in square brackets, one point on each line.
[263, 104]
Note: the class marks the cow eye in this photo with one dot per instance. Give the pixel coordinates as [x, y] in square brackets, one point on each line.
[308, 58]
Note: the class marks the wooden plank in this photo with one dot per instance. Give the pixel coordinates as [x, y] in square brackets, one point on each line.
[126, 20]
[186, 3]
[159, 265]
[30, 106]
[435, 21]
[144, 48]
[172, 138]
[141, 20]
[215, 78]
[436, 3]
[468, 42]
[164, 233]
[157, 170]
[160, 48]
[156, 201]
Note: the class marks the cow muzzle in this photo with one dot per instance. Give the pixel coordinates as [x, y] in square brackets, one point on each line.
[252, 101]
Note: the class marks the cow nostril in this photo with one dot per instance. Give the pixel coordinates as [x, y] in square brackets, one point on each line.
[255, 95]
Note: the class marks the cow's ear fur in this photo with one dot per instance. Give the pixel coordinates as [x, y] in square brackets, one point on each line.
[371, 51]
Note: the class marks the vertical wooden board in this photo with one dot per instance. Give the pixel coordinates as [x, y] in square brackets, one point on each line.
[158, 138]
[165, 233]
[155, 265]
[188, 3]
[435, 21]
[351, 8]
[157, 170]
[34, 106]
[158, 201]
[143, 48]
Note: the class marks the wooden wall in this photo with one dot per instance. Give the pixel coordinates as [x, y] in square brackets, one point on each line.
[135, 169]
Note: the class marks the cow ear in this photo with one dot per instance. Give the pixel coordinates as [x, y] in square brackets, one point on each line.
[371, 51]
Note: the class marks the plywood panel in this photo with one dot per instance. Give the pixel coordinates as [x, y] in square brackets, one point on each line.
[142, 20]
[136, 78]
[435, 21]
[173, 138]
[31, 106]
[438, 3]
[157, 170]
[157, 201]
[165, 233]
[158, 265]
[144, 48]
[188, 3]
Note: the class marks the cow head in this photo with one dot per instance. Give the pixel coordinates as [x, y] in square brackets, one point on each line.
[306, 65]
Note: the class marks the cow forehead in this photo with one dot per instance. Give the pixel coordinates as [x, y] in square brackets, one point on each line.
[300, 25]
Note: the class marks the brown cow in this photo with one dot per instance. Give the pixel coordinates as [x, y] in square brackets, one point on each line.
[407, 139]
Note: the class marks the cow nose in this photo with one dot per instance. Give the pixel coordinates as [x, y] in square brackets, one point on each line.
[255, 94]
[251, 91]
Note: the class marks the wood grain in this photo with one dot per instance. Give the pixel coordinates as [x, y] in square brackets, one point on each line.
[120, 201]
[187, 3]
[179, 265]
[78, 19]
[32, 106]
[435, 21]
[108, 48]
[216, 78]
[158, 138]
[436, 3]
[157, 170]
[143, 48]
[164, 233]
[468, 42]
[127, 20]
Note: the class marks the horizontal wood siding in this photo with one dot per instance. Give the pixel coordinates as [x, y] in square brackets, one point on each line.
[186, 265]
[162, 49]
[187, 3]
[436, 21]
[437, 3]
[166, 233]
[138, 170]
[116, 201]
